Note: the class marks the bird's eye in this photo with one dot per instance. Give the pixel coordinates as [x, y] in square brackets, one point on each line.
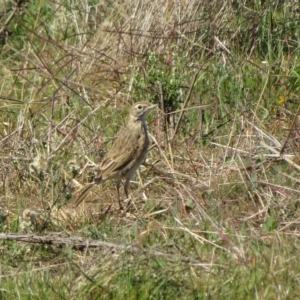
[140, 107]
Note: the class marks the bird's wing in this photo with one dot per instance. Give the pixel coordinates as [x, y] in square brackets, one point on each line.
[120, 154]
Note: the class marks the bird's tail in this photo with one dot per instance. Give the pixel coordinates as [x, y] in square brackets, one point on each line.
[83, 194]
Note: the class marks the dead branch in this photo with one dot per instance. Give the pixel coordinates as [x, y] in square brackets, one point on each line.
[81, 243]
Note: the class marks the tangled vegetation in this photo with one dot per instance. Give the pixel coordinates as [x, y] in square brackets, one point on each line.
[214, 211]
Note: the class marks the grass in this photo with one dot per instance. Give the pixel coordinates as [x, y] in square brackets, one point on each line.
[215, 210]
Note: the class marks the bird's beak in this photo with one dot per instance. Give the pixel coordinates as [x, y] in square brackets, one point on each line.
[151, 107]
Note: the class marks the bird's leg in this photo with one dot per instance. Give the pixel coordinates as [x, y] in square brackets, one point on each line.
[118, 191]
[126, 187]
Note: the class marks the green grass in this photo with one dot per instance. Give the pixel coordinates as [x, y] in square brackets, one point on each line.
[215, 210]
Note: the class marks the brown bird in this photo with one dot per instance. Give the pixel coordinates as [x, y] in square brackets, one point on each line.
[127, 152]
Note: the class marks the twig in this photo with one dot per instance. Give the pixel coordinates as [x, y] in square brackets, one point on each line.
[222, 46]
[280, 156]
[81, 243]
[290, 132]
[185, 104]
[162, 105]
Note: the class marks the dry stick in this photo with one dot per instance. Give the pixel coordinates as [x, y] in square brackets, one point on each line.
[82, 243]
[162, 105]
[222, 46]
[191, 159]
[277, 186]
[290, 132]
[261, 95]
[189, 108]
[165, 124]
[281, 156]
[269, 137]
[184, 105]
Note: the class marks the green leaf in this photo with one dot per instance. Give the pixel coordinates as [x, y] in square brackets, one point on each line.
[270, 224]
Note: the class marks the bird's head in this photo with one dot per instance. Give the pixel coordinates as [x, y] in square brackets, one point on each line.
[140, 110]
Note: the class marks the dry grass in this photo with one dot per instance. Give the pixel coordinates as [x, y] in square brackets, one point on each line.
[214, 211]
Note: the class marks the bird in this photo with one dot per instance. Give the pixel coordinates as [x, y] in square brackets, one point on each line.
[127, 153]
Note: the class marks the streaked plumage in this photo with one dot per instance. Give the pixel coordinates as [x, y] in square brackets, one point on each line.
[127, 152]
